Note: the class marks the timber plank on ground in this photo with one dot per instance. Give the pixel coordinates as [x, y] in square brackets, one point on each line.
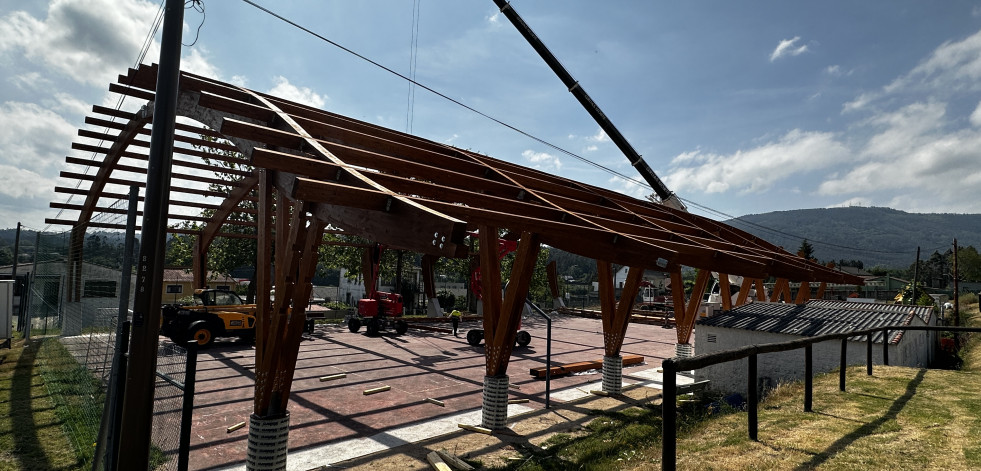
[582, 366]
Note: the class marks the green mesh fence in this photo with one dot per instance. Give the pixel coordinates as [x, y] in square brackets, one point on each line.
[74, 302]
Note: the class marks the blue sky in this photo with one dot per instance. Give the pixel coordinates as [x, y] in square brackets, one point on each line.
[742, 107]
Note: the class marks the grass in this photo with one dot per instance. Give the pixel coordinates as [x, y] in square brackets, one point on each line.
[898, 418]
[32, 432]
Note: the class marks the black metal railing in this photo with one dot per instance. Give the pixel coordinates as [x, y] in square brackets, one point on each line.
[672, 366]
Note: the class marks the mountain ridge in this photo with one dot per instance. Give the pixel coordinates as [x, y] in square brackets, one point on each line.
[878, 236]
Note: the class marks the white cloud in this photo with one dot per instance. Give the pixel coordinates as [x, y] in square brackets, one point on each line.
[30, 81]
[788, 47]
[66, 103]
[756, 170]
[837, 71]
[32, 137]
[912, 153]
[89, 41]
[629, 187]
[954, 66]
[543, 160]
[907, 128]
[858, 103]
[951, 66]
[600, 136]
[284, 89]
[976, 116]
[197, 63]
[22, 183]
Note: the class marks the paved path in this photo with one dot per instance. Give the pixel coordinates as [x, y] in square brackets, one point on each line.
[333, 421]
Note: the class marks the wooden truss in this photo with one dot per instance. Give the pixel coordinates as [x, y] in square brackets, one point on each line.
[395, 189]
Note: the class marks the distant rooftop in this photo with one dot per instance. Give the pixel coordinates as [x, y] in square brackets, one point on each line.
[820, 317]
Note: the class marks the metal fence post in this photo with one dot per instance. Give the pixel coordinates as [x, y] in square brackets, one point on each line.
[753, 394]
[808, 377]
[669, 434]
[190, 373]
[885, 347]
[868, 354]
[844, 364]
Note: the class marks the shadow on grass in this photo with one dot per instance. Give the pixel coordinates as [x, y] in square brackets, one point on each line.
[30, 454]
[867, 429]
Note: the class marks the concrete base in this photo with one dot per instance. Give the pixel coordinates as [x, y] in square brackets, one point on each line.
[613, 374]
[495, 407]
[684, 350]
[268, 442]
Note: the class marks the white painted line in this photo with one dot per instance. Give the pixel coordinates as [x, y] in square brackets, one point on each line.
[356, 447]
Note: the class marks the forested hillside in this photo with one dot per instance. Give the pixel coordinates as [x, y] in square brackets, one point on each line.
[876, 236]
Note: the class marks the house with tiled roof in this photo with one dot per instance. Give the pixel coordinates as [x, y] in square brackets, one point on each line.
[762, 323]
[179, 283]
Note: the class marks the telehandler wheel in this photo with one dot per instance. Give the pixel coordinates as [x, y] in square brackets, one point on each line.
[353, 325]
[522, 339]
[401, 327]
[373, 326]
[201, 332]
[475, 336]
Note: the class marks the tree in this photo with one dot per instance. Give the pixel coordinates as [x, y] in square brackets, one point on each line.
[225, 253]
[806, 250]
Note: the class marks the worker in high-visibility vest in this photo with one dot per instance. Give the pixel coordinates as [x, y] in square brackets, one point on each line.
[455, 319]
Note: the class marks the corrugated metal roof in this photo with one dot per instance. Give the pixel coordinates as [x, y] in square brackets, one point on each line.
[811, 319]
[923, 312]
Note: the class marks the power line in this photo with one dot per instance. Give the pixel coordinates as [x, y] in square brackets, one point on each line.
[641, 183]
[413, 55]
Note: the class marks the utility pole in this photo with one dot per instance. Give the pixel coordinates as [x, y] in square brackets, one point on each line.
[916, 273]
[957, 304]
[19, 290]
[137, 420]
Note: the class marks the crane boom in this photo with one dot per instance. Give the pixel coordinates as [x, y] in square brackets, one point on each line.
[667, 197]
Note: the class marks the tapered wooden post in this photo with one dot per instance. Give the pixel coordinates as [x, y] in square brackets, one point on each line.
[502, 317]
[803, 293]
[744, 291]
[725, 292]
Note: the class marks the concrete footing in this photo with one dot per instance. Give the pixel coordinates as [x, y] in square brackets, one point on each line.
[495, 407]
[684, 350]
[268, 442]
[613, 374]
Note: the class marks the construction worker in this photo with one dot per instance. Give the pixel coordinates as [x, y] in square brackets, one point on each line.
[455, 319]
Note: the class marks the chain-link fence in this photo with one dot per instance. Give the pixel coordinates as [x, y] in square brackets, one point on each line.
[74, 296]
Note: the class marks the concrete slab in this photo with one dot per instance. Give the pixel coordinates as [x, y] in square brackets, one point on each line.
[335, 418]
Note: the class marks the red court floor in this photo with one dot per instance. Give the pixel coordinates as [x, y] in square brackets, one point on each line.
[417, 365]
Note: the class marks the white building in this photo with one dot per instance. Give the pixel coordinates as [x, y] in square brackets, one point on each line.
[762, 323]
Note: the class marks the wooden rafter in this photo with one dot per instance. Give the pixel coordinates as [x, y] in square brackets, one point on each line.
[314, 167]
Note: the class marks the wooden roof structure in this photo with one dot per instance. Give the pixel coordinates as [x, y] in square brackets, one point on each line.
[398, 189]
[305, 169]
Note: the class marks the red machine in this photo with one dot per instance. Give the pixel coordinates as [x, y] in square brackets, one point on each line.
[475, 336]
[378, 310]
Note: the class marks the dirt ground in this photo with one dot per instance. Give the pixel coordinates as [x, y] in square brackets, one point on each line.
[527, 433]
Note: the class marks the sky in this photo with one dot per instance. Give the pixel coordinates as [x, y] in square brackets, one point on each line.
[739, 107]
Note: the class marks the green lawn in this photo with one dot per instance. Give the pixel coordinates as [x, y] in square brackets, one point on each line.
[897, 419]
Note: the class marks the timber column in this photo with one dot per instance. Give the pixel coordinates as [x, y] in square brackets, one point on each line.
[616, 317]
[502, 317]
